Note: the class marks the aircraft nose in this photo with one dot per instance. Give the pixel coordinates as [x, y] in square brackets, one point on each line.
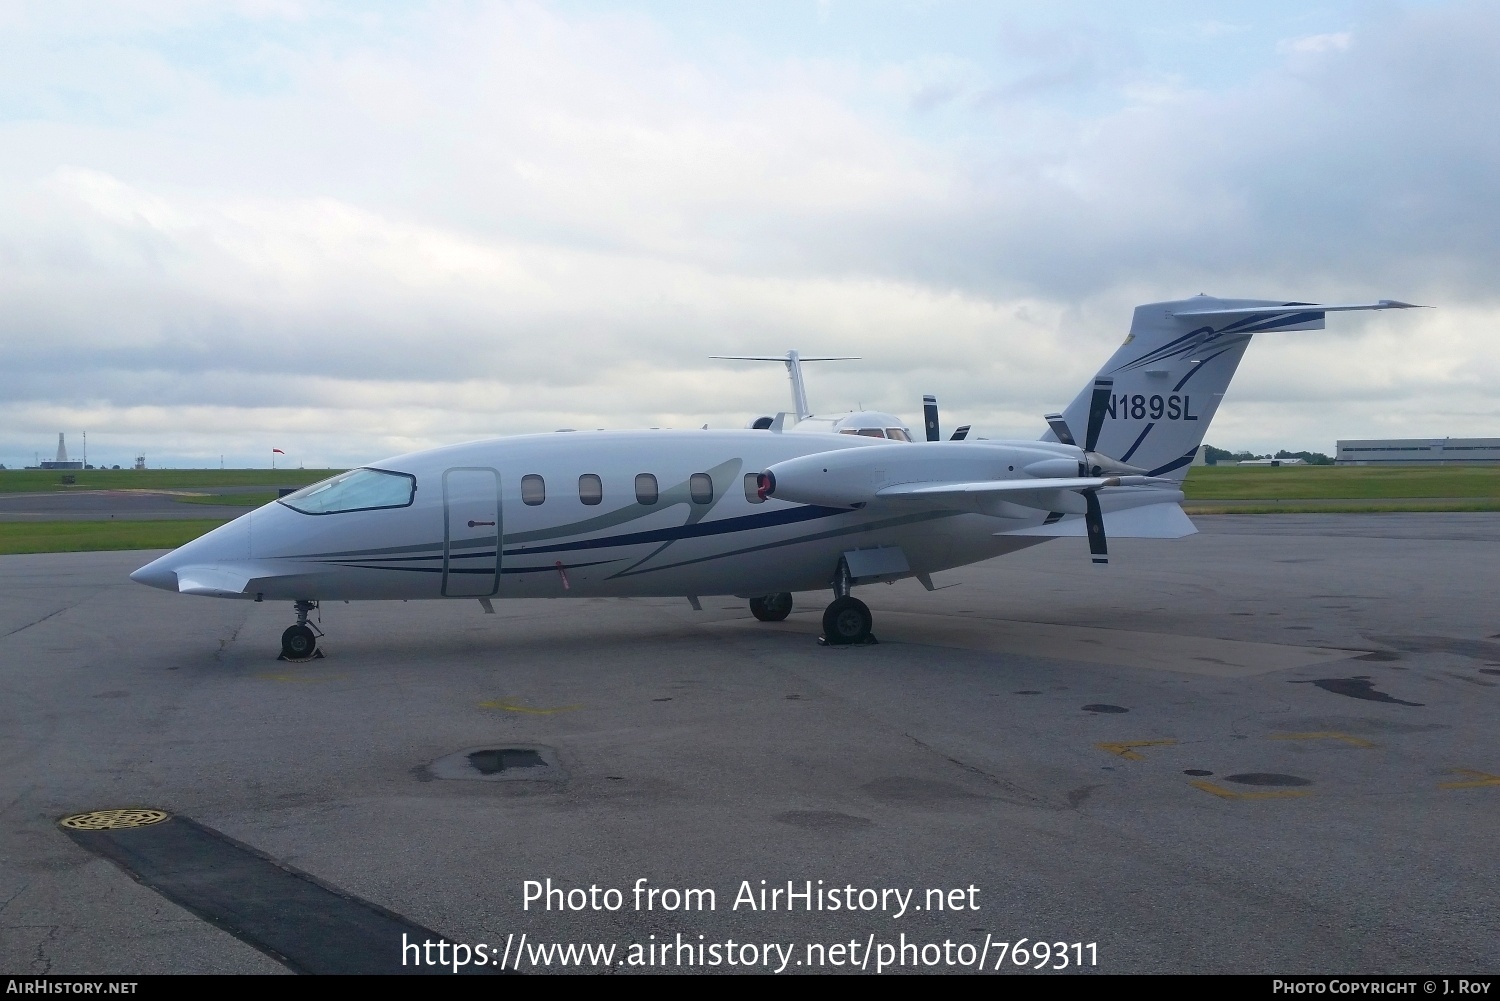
[157, 574]
[227, 542]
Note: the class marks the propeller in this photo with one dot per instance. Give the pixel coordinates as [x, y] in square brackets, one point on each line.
[1091, 463]
[930, 418]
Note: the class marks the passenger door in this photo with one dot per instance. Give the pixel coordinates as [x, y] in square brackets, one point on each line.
[471, 532]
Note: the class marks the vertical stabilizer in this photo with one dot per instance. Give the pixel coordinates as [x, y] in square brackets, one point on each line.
[1165, 382]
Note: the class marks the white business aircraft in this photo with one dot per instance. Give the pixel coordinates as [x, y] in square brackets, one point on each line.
[797, 503]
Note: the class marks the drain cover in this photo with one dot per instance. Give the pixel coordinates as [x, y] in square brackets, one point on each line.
[526, 763]
[113, 820]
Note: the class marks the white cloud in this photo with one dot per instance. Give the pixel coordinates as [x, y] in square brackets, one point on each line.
[1336, 41]
[441, 224]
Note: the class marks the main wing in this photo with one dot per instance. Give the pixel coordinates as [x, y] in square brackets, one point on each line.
[1016, 482]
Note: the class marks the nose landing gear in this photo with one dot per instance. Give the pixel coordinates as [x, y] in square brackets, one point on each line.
[300, 642]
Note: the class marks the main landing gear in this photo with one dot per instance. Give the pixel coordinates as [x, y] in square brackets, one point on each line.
[771, 608]
[300, 642]
[846, 620]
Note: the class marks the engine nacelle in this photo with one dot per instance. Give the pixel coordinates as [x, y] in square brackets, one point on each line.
[851, 477]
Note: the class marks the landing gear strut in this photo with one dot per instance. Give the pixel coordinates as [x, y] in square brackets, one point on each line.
[771, 608]
[846, 620]
[300, 642]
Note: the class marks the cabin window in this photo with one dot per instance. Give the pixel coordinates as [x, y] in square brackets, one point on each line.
[533, 489]
[701, 488]
[645, 489]
[752, 489]
[356, 490]
[590, 488]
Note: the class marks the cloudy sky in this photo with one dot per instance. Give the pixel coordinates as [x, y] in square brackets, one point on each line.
[349, 230]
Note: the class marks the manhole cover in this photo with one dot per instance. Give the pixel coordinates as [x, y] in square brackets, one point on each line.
[1101, 707]
[488, 762]
[113, 820]
[1267, 779]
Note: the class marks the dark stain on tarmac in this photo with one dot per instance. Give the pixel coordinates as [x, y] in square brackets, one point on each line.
[1267, 779]
[1102, 707]
[1358, 687]
[1477, 649]
[823, 820]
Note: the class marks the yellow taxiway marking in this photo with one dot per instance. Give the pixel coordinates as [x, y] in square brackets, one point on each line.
[1223, 793]
[510, 707]
[1475, 780]
[302, 679]
[1324, 735]
[1123, 748]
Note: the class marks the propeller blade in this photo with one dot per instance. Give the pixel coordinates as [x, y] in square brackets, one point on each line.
[961, 433]
[1104, 389]
[930, 415]
[1060, 429]
[1093, 519]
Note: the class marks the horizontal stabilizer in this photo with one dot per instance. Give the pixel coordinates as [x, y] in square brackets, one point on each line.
[1154, 521]
[1294, 307]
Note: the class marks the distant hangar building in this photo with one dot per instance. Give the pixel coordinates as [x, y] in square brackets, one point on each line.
[1385, 451]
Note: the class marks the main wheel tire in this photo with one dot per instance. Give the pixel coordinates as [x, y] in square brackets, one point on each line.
[847, 620]
[298, 643]
[771, 608]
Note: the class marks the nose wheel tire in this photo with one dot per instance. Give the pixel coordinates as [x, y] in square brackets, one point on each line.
[771, 608]
[847, 620]
[298, 643]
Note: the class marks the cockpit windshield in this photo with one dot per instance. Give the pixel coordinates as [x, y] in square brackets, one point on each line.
[356, 490]
[895, 434]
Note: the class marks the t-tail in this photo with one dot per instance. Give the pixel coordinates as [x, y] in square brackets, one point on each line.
[1150, 405]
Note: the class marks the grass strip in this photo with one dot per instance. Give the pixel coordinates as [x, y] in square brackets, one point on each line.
[1284, 483]
[95, 536]
[41, 480]
[1343, 507]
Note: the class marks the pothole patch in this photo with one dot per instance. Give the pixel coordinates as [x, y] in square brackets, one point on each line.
[507, 763]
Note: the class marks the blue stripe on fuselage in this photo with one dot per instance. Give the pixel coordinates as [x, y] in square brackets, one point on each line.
[769, 519]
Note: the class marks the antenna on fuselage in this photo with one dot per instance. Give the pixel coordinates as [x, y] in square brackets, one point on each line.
[793, 362]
